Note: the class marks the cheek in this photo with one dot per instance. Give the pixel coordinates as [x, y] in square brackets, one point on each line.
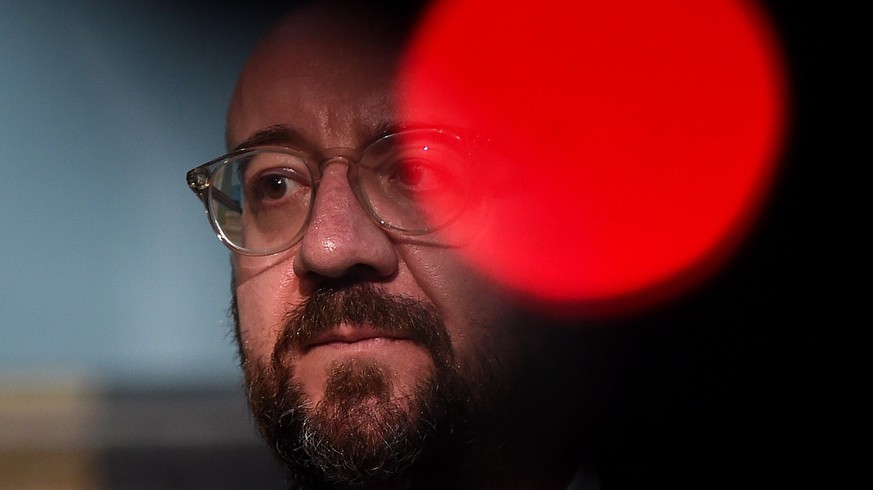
[480, 316]
[264, 296]
[485, 326]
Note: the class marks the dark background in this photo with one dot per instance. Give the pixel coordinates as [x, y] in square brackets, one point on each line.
[736, 385]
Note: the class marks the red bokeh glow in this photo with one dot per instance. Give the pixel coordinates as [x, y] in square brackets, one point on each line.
[629, 143]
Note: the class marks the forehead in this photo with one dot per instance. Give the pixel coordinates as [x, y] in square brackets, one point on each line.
[325, 74]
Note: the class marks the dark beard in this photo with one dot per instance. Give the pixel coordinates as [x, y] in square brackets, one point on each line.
[358, 436]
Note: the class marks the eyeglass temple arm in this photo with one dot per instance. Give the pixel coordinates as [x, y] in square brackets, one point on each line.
[220, 196]
[228, 201]
[198, 181]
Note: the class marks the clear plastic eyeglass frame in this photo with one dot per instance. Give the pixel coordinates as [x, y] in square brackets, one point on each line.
[201, 180]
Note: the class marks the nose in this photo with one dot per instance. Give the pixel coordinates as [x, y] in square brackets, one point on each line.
[341, 241]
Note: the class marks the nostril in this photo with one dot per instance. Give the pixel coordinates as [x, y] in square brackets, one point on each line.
[310, 281]
[353, 275]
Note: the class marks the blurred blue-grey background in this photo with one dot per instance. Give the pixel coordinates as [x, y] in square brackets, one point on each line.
[117, 362]
[108, 268]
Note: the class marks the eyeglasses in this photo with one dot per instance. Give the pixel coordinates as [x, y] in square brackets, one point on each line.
[259, 200]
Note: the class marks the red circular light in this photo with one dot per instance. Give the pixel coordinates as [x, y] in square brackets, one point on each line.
[625, 143]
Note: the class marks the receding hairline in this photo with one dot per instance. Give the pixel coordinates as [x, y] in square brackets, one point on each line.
[311, 23]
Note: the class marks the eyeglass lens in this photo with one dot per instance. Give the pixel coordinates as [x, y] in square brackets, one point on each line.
[411, 182]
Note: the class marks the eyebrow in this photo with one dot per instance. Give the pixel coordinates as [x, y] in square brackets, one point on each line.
[283, 135]
[277, 135]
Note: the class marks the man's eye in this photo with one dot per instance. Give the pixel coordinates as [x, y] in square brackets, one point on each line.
[420, 176]
[277, 186]
[274, 186]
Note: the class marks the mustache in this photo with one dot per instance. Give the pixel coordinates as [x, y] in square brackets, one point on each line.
[363, 304]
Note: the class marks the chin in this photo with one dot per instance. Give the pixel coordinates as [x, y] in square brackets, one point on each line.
[380, 371]
[367, 427]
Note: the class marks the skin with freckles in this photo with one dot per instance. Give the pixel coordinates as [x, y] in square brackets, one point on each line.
[327, 81]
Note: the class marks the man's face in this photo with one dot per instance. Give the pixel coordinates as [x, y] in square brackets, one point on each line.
[355, 336]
